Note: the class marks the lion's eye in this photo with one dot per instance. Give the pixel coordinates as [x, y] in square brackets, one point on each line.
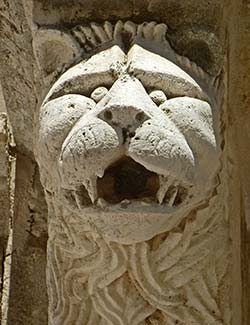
[99, 93]
[158, 97]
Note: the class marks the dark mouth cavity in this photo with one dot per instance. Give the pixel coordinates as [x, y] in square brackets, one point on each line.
[126, 179]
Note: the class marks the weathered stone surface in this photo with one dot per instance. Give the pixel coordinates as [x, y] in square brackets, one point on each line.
[19, 47]
[40, 41]
[4, 200]
[175, 13]
[238, 141]
[28, 298]
[133, 188]
[16, 73]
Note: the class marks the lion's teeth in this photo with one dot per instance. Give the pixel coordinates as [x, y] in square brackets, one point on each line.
[160, 195]
[165, 183]
[77, 199]
[125, 203]
[173, 197]
[101, 203]
[91, 187]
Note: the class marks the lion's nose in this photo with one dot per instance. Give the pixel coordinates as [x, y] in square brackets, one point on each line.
[127, 104]
[124, 119]
[123, 116]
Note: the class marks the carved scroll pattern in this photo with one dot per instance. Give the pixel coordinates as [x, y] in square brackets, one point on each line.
[178, 277]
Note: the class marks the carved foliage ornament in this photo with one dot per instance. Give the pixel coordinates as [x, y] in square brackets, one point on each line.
[128, 151]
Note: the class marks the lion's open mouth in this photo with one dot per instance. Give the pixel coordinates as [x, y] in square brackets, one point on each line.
[127, 180]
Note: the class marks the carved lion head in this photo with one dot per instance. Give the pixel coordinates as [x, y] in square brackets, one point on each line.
[127, 139]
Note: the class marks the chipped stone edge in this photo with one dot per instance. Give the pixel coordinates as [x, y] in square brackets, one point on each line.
[7, 141]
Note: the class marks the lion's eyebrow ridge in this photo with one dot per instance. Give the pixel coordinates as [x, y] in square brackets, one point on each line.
[84, 77]
[157, 72]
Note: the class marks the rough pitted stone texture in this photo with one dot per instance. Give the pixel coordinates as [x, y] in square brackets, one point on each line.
[28, 298]
[4, 196]
[16, 61]
[238, 140]
[19, 51]
[133, 188]
[185, 271]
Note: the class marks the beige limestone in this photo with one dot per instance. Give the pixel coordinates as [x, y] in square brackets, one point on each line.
[214, 35]
[4, 202]
[130, 257]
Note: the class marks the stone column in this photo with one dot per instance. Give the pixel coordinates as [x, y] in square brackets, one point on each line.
[5, 214]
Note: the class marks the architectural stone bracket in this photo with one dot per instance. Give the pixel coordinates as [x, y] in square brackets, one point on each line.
[128, 143]
[129, 203]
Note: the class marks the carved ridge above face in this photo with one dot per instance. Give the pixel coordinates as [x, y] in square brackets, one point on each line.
[107, 66]
[80, 140]
[83, 40]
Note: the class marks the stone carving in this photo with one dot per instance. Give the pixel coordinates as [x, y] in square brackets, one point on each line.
[128, 146]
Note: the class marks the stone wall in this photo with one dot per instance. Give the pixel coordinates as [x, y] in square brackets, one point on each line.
[28, 298]
[224, 25]
[238, 138]
[4, 202]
